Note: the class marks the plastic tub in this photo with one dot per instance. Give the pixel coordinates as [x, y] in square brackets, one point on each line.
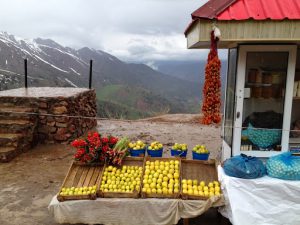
[178, 153]
[155, 153]
[137, 153]
[200, 156]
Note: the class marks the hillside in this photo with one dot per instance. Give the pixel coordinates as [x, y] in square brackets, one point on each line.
[140, 103]
[51, 64]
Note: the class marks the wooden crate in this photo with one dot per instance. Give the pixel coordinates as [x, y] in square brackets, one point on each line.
[153, 159]
[200, 170]
[81, 176]
[128, 161]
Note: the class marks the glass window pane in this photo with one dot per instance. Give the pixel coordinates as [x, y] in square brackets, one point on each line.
[265, 80]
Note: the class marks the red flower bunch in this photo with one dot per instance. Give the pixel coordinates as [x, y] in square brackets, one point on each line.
[212, 86]
[93, 148]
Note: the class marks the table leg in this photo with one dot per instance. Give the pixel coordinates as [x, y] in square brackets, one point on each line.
[186, 221]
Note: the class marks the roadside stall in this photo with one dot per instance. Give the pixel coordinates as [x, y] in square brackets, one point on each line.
[114, 181]
[262, 100]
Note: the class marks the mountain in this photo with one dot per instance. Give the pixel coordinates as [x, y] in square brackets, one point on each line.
[193, 71]
[51, 64]
[188, 70]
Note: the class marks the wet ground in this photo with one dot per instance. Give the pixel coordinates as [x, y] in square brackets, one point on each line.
[29, 182]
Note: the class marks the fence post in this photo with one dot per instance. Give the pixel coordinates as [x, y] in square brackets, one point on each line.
[25, 70]
[91, 69]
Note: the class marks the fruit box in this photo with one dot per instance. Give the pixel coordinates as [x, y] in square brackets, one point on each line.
[81, 176]
[201, 170]
[152, 195]
[128, 161]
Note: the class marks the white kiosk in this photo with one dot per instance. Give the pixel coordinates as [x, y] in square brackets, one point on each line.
[262, 103]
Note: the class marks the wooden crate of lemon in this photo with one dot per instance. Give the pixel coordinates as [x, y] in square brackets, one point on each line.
[81, 183]
[161, 178]
[124, 181]
[199, 180]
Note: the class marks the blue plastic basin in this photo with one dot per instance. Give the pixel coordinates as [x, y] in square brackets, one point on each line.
[155, 153]
[137, 153]
[178, 153]
[200, 156]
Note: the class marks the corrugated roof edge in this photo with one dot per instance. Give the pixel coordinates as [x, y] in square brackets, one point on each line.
[208, 11]
[211, 9]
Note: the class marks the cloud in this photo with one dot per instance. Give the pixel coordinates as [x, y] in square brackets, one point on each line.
[133, 30]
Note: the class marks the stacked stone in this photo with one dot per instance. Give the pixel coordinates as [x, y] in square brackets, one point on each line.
[65, 125]
[18, 123]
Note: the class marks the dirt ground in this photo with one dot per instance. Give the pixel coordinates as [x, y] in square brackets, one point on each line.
[29, 182]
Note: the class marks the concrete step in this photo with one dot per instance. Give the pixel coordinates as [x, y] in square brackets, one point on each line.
[8, 153]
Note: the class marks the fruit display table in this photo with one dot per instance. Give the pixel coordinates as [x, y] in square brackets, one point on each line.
[264, 200]
[119, 211]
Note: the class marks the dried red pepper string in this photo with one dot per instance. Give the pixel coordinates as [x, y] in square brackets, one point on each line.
[212, 86]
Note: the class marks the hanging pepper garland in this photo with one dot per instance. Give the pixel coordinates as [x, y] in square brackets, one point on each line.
[212, 86]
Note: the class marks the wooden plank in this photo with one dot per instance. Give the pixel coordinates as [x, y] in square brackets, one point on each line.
[95, 176]
[77, 176]
[83, 176]
[88, 176]
[70, 176]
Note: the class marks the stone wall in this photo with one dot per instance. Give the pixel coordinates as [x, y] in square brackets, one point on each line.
[64, 125]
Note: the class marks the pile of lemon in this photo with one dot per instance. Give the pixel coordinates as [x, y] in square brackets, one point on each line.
[155, 146]
[161, 177]
[199, 188]
[78, 190]
[126, 179]
[137, 145]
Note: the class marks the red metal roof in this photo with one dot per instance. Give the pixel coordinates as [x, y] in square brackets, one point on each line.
[249, 9]
[261, 10]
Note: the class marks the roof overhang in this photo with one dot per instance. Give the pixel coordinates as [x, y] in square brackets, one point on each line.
[236, 32]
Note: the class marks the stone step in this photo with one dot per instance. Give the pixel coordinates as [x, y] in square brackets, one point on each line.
[18, 101]
[10, 139]
[8, 153]
[16, 126]
[14, 112]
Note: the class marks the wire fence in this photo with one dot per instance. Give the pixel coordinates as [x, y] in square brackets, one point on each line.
[102, 118]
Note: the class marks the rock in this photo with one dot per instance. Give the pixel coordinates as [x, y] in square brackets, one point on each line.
[60, 110]
[61, 124]
[59, 137]
[43, 105]
[51, 124]
[61, 119]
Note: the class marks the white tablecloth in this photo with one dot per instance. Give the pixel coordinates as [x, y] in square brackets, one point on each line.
[118, 211]
[262, 201]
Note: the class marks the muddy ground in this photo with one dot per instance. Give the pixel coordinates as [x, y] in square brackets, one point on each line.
[29, 182]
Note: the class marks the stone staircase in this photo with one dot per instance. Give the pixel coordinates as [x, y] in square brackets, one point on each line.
[17, 126]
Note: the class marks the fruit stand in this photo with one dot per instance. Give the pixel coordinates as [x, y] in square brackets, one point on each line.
[108, 183]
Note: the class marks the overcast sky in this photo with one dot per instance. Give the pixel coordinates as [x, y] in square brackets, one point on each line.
[133, 30]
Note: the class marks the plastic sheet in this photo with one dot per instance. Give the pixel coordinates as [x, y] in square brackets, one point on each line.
[262, 201]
